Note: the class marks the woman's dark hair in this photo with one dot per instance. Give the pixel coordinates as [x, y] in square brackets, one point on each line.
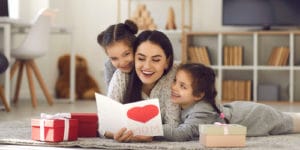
[203, 81]
[134, 86]
[118, 32]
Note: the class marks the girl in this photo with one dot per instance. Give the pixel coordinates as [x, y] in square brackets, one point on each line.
[152, 78]
[117, 40]
[194, 90]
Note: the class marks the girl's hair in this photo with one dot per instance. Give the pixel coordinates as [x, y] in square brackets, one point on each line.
[118, 32]
[134, 87]
[203, 81]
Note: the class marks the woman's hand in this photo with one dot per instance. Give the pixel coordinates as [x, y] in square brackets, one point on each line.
[123, 135]
[109, 135]
[141, 138]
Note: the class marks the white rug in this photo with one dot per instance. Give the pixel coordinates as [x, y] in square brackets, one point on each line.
[19, 133]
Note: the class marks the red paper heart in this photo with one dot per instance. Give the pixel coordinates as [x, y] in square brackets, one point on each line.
[142, 114]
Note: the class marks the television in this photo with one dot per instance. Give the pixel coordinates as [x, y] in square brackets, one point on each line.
[4, 8]
[261, 13]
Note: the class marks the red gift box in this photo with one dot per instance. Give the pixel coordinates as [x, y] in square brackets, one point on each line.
[54, 130]
[87, 124]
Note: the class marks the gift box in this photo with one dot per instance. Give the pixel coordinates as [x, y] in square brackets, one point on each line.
[87, 124]
[222, 135]
[54, 130]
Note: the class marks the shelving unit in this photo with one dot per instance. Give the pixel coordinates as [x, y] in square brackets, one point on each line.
[183, 12]
[257, 48]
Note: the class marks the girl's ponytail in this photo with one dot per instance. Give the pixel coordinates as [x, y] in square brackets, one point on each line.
[221, 114]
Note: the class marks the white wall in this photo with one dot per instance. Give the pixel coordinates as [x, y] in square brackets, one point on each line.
[87, 18]
[29, 8]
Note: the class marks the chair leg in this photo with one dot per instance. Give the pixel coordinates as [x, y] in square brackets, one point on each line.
[14, 68]
[19, 81]
[31, 84]
[41, 81]
[4, 101]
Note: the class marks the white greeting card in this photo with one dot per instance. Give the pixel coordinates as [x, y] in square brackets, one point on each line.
[142, 117]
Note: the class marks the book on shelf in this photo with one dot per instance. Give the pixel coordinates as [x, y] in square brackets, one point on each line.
[236, 90]
[233, 55]
[199, 54]
[239, 55]
[226, 55]
[192, 54]
[285, 56]
[279, 56]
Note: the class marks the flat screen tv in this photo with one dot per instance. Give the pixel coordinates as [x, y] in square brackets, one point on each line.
[261, 13]
[4, 8]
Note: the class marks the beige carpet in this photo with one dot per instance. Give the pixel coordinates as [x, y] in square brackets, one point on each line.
[19, 133]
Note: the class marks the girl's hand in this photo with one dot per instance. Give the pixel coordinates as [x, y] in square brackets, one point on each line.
[123, 135]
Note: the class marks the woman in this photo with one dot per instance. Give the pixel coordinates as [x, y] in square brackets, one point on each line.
[117, 40]
[152, 78]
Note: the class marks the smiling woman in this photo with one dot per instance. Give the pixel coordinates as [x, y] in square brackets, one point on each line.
[152, 78]
[150, 63]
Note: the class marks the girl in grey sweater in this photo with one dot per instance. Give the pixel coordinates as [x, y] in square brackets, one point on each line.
[117, 41]
[194, 90]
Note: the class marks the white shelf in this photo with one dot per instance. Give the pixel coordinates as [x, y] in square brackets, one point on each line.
[237, 67]
[215, 67]
[170, 31]
[257, 48]
[273, 68]
[183, 18]
[158, 11]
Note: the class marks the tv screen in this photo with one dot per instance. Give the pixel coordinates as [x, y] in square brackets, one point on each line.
[4, 8]
[264, 13]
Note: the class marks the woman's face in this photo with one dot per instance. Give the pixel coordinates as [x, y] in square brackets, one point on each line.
[121, 56]
[150, 63]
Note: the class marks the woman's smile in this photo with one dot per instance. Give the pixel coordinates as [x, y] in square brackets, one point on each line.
[147, 74]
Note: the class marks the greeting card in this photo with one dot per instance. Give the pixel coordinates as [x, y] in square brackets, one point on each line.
[142, 117]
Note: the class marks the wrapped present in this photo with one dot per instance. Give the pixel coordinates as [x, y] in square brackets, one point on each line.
[222, 135]
[222, 140]
[54, 128]
[87, 124]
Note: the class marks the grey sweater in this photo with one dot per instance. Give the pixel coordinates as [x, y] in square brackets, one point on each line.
[259, 119]
[170, 112]
[109, 70]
